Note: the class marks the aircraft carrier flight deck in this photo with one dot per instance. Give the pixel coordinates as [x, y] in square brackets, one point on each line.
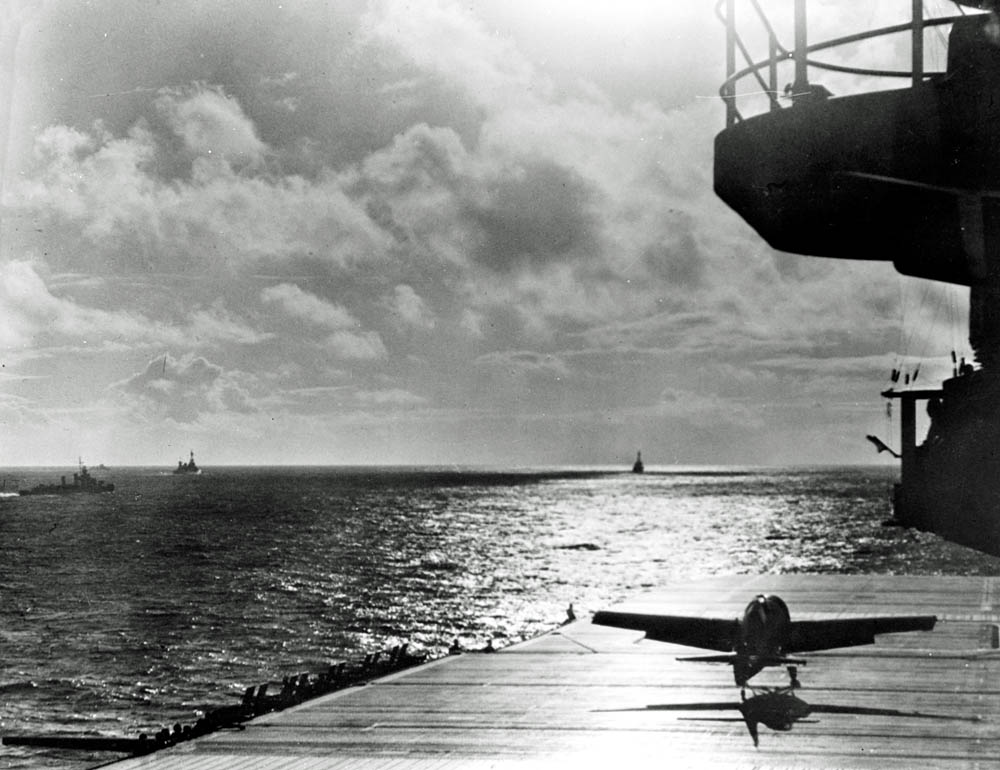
[587, 695]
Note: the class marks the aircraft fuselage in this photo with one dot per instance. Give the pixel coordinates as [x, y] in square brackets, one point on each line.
[763, 633]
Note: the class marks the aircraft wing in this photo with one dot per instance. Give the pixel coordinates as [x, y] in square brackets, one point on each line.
[808, 635]
[707, 633]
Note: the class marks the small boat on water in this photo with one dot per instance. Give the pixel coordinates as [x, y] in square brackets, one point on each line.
[638, 467]
[83, 483]
[189, 467]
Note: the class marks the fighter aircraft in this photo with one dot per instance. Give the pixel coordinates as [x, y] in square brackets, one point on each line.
[764, 636]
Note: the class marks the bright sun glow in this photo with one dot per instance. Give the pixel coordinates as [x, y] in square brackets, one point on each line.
[613, 14]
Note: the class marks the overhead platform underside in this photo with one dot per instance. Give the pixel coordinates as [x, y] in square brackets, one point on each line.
[591, 696]
[872, 177]
[910, 176]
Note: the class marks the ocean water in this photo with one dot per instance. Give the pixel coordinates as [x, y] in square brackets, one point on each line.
[126, 612]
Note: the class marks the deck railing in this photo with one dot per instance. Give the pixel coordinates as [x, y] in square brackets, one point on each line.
[765, 71]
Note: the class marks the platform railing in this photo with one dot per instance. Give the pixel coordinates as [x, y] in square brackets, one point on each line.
[800, 53]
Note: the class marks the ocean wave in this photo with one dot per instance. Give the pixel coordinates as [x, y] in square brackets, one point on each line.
[150, 605]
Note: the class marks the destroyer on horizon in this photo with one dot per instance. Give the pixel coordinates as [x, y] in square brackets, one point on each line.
[83, 483]
[187, 467]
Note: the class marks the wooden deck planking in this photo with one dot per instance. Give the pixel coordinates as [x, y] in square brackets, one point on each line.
[591, 695]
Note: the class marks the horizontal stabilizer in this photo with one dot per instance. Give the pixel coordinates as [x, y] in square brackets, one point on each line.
[733, 657]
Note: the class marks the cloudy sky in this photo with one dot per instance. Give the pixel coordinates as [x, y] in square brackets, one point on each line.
[377, 231]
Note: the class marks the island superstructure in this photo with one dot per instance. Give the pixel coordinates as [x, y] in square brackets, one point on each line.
[911, 176]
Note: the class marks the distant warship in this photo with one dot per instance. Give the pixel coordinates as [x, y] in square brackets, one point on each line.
[83, 483]
[637, 466]
[189, 467]
[910, 176]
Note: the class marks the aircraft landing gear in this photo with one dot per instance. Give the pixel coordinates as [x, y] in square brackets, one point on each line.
[793, 676]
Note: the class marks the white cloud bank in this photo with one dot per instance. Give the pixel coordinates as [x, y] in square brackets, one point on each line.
[514, 239]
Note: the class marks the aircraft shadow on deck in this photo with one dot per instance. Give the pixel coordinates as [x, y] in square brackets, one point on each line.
[780, 709]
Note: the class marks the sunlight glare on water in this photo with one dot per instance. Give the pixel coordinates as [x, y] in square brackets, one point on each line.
[138, 609]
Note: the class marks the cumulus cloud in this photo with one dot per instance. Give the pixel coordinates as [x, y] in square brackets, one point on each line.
[217, 326]
[38, 321]
[442, 39]
[361, 346]
[34, 317]
[212, 124]
[184, 389]
[412, 170]
[537, 195]
[534, 212]
[123, 202]
[471, 322]
[411, 309]
[305, 306]
[421, 160]
[347, 340]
